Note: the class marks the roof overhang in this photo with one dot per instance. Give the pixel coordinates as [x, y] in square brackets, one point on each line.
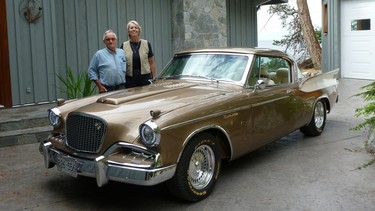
[268, 2]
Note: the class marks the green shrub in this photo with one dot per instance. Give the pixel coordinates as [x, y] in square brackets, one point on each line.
[76, 85]
[368, 111]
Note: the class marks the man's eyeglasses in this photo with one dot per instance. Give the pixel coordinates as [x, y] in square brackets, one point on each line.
[109, 39]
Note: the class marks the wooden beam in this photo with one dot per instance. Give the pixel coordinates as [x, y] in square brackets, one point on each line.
[5, 84]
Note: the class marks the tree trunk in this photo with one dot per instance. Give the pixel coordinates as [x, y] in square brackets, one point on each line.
[311, 40]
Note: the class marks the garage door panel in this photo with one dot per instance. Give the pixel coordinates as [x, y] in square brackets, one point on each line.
[360, 57]
[360, 45]
[358, 70]
[361, 67]
[358, 39]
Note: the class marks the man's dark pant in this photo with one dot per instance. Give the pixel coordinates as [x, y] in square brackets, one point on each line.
[114, 88]
[140, 80]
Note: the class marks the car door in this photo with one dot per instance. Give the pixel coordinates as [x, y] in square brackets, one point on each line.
[271, 108]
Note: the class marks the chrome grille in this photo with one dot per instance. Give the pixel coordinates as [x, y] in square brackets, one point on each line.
[84, 132]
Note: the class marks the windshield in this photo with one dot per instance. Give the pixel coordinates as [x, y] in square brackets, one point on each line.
[209, 66]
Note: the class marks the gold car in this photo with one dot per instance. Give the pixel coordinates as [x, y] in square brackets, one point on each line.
[205, 107]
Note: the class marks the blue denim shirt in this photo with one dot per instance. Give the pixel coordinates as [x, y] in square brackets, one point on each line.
[108, 67]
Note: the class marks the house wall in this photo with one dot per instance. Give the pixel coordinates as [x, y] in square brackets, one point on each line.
[214, 23]
[69, 32]
[242, 16]
[331, 41]
[199, 23]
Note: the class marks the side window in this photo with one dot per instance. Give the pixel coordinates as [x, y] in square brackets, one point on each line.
[273, 70]
[254, 74]
[280, 70]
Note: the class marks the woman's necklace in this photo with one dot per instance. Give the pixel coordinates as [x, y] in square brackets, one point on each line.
[135, 46]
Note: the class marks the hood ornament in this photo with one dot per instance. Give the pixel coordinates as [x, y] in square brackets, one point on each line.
[155, 113]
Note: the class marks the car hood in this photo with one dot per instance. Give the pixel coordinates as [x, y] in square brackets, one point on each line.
[125, 110]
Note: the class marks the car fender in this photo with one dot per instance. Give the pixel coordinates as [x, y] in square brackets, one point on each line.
[211, 128]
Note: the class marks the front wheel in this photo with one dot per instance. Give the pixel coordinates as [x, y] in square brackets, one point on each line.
[318, 120]
[198, 169]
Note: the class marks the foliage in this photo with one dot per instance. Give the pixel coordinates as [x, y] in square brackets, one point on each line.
[318, 33]
[272, 63]
[368, 111]
[76, 85]
[367, 164]
[294, 41]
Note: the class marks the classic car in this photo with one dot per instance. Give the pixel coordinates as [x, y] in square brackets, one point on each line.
[207, 106]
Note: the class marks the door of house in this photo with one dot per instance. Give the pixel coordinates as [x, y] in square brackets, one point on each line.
[358, 39]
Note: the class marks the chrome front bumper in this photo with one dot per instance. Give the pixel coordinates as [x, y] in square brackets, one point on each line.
[104, 169]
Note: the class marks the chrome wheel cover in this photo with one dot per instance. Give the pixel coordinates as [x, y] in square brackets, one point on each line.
[319, 114]
[201, 167]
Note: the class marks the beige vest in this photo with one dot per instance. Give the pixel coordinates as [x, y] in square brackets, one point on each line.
[143, 54]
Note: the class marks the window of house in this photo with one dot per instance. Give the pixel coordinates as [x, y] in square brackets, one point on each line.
[325, 19]
[361, 24]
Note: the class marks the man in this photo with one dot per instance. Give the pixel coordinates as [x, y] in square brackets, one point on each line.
[108, 65]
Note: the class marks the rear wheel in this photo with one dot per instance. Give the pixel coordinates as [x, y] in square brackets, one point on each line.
[197, 170]
[318, 120]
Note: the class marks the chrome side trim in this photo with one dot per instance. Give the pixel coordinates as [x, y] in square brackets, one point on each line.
[206, 117]
[269, 101]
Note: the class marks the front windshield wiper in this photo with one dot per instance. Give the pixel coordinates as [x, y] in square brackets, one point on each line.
[192, 76]
[176, 76]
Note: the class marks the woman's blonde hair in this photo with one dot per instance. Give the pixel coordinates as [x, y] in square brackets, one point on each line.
[136, 24]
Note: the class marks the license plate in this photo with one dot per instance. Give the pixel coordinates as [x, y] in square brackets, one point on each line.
[67, 165]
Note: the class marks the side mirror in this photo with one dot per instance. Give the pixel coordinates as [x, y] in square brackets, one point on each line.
[261, 84]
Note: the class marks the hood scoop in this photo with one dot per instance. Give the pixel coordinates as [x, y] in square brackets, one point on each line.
[128, 96]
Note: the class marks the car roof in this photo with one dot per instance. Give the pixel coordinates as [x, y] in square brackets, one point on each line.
[255, 50]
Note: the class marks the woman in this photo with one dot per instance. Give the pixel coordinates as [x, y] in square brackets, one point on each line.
[140, 64]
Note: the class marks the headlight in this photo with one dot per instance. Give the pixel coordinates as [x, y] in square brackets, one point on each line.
[54, 117]
[150, 134]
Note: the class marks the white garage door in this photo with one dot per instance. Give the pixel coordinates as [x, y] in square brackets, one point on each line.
[358, 39]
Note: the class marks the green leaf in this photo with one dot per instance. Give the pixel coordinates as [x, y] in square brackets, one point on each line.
[368, 110]
[77, 85]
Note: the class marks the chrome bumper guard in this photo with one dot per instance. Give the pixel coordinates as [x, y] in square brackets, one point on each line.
[103, 169]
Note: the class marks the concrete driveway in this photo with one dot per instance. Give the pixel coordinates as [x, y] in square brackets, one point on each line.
[293, 173]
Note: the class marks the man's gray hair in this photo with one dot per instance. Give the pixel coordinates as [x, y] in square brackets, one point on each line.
[109, 31]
